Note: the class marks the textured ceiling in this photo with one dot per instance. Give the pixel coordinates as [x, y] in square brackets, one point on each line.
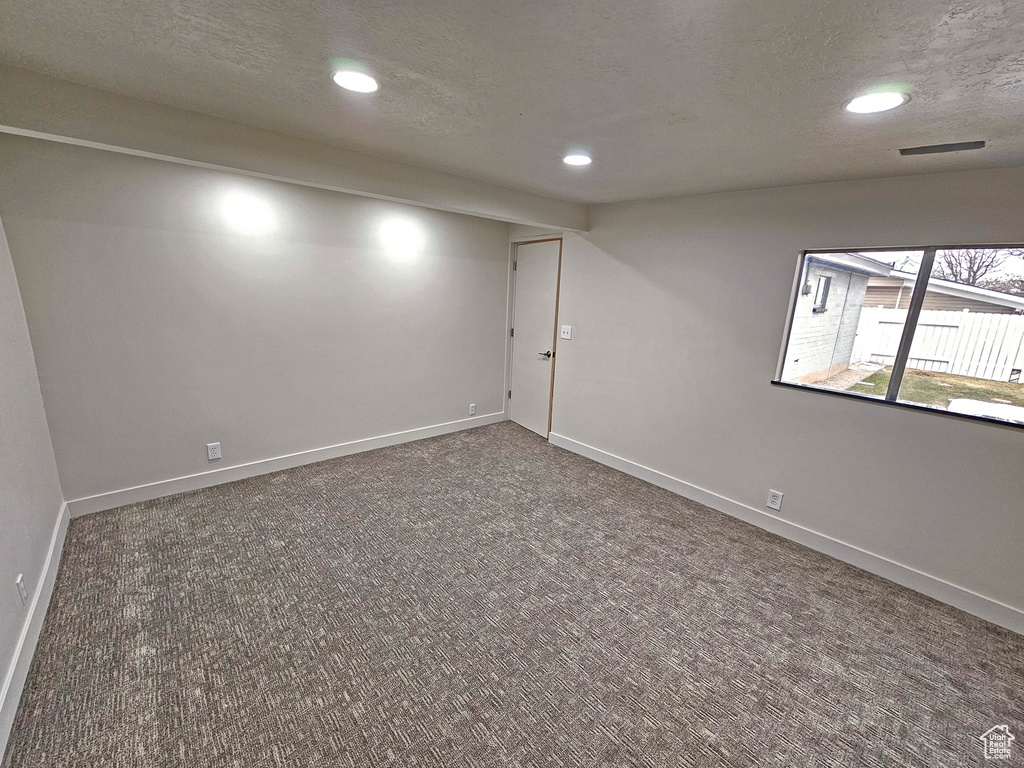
[670, 96]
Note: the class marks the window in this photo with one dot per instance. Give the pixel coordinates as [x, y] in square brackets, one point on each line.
[938, 328]
[821, 293]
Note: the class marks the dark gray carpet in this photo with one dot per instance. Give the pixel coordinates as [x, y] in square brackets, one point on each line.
[486, 599]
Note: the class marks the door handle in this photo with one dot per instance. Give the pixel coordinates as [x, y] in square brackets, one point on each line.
[545, 354]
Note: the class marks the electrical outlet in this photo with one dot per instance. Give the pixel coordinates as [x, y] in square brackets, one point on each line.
[775, 500]
[472, 409]
[567, 332]
[22, 589]
[213, 451]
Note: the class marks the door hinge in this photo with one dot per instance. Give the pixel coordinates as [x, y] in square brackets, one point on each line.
[512, 332]
[515, 264]
[510, 394]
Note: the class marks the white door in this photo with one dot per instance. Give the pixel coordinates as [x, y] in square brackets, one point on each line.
[533, 333]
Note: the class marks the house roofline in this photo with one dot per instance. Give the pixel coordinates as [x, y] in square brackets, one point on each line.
[853, 262]
[962, 291]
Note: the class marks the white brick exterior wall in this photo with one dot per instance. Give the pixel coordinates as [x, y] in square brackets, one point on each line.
[820, 344]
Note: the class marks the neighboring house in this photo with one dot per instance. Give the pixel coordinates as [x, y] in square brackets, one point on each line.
[893, 292]
[851, 310]
[962, 329]
[828, 308]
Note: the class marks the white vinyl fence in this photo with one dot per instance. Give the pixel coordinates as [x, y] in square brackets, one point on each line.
[979, 344]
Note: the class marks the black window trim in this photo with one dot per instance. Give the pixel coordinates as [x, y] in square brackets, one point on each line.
[903, 351]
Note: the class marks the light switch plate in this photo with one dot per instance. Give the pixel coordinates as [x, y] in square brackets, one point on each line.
[566, 332]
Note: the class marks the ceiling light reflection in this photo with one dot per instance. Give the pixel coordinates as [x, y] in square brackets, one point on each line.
[247, 213]
[402, 238]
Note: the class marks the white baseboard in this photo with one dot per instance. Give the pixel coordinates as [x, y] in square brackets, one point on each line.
[103, 501]
[991, 610]
[17, 672]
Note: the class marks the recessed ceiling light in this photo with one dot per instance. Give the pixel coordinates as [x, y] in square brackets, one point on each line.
[355, 81]
[877, 102]
[576, 159]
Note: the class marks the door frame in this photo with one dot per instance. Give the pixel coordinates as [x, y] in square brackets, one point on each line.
[510, 314]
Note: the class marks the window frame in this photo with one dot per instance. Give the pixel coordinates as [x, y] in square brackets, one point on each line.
[907, 338]
[821, 291]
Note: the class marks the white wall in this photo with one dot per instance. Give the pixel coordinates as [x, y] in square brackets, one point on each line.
[30, 496]
[158, 329]
[679, 308]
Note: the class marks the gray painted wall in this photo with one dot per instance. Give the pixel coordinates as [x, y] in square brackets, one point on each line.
[158, 328]
[679, 307]
[30, 495]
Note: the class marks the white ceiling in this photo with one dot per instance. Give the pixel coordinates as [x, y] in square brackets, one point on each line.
[670, 96]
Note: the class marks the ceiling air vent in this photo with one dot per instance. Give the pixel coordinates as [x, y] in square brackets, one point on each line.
[934, 149]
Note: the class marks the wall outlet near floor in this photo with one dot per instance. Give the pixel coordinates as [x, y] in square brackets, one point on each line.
[472, 409]
[22, 589]
[775, 500]
[213, 451]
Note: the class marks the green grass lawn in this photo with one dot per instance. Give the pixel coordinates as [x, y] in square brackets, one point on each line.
[937, 389]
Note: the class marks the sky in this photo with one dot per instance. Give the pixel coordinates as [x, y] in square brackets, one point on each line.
[909, 261]
[1014, 267]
